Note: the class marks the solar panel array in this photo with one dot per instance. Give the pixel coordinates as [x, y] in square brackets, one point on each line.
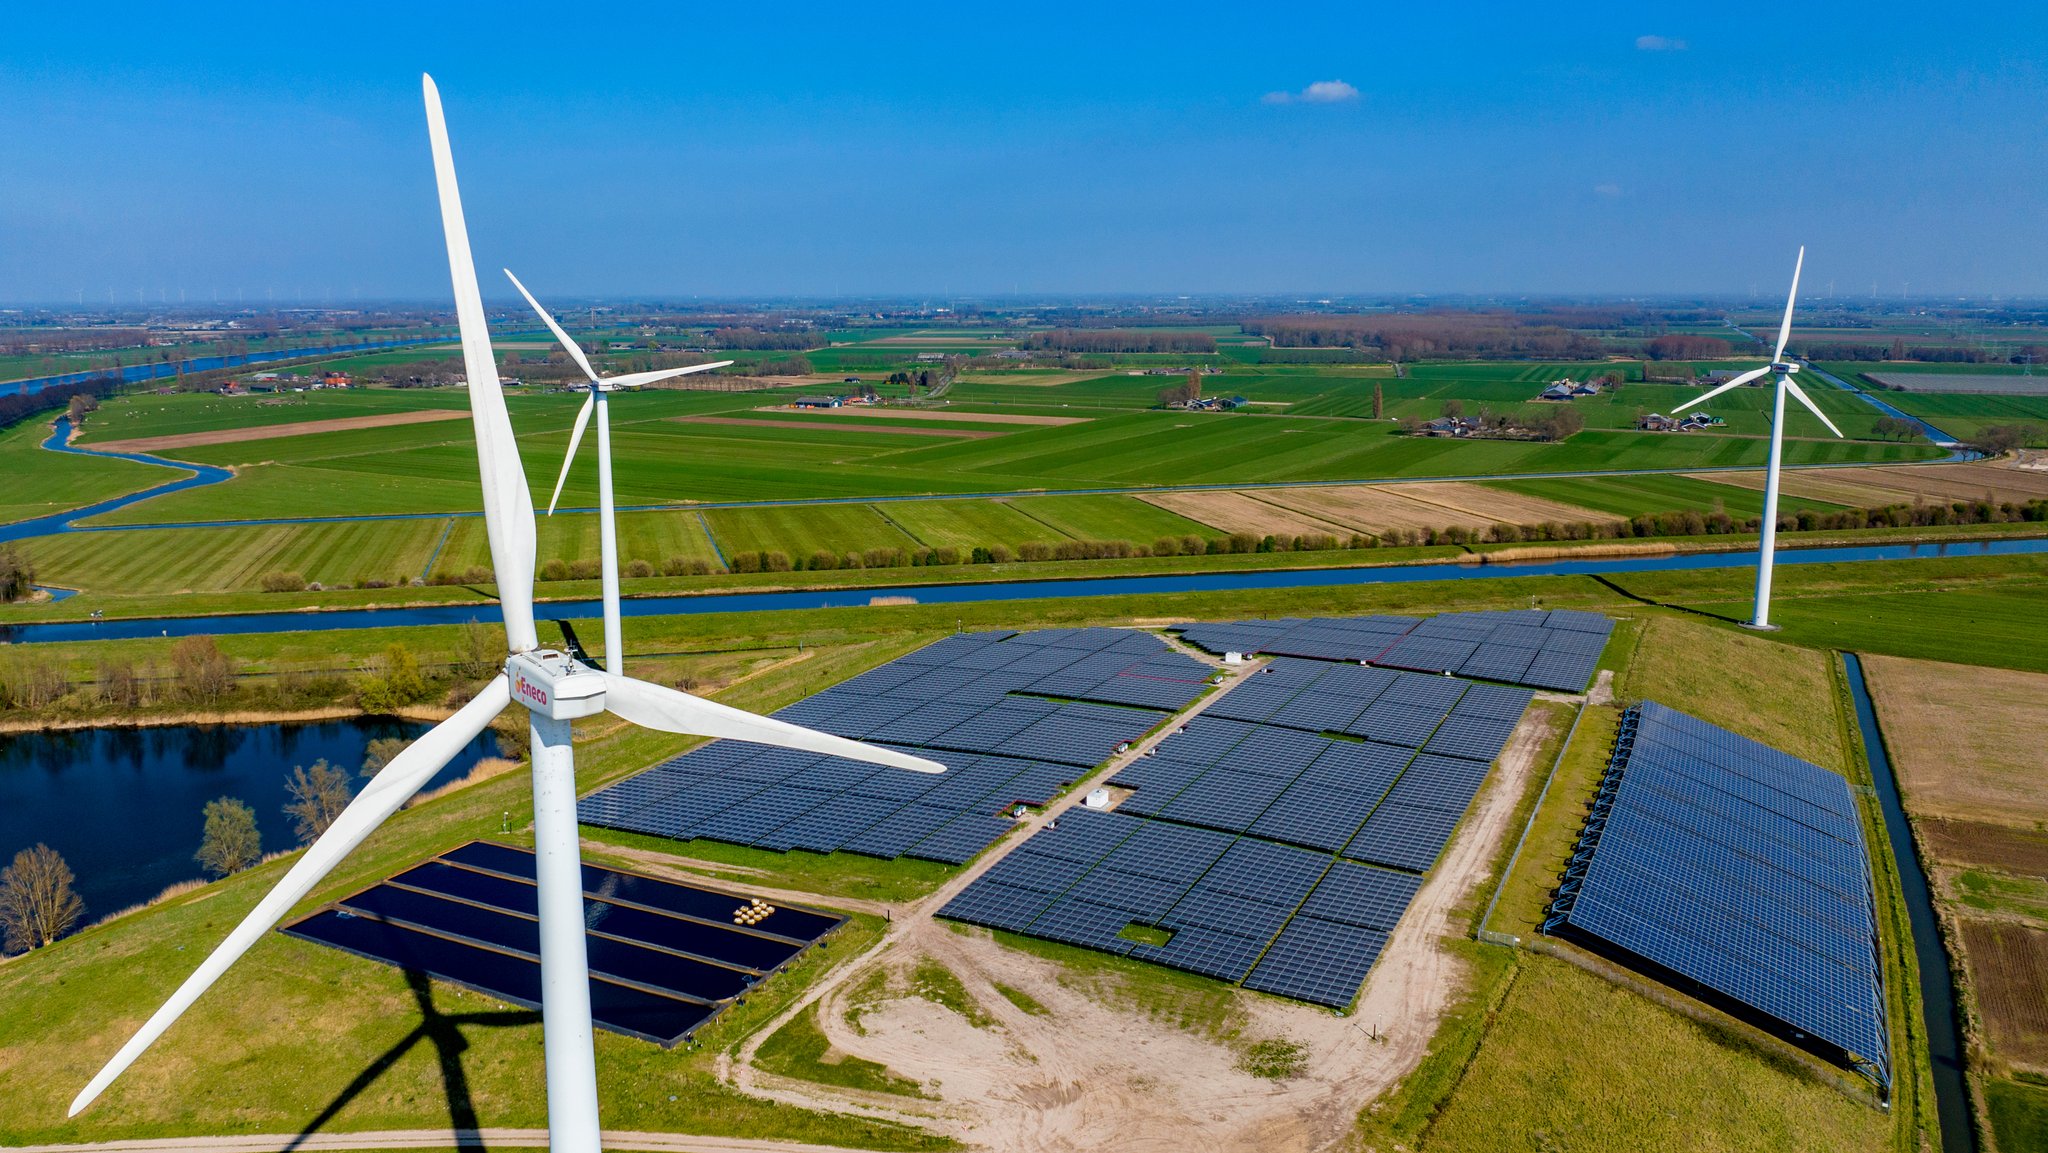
[1274, 850]
[1553, 649]
[1741, 873]
[664, 957]
[1280, 919]
[1014, 717]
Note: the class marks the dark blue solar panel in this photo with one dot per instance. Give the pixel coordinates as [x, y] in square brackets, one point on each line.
[1740, 868]
[1319, 961]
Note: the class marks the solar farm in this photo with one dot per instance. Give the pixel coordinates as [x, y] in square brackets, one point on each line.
[664, 957]
[1273, 839]
[1737, 874]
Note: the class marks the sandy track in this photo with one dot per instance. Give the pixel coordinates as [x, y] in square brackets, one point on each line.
[939, 414]
[743, 422]
[275, 431]
[1094, 1074]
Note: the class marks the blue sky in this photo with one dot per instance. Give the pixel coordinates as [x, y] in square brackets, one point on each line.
[280, 152]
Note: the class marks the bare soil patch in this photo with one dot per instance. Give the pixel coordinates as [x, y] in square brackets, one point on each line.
[1235, 512]
[1097, 1070]
[1379, 509]
[1904, 484]
[2021, 851]
[743, 422]
[1966, 741]
[2009, 971]
[277, 431]
[939, 414]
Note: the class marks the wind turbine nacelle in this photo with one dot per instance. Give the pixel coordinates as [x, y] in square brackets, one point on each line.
[1785, 369]
[554, 685]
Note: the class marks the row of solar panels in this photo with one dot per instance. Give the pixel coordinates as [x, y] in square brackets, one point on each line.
[1279, 919]
[1555, 649]
[1740, 869]
[664, 957]
[956, 700]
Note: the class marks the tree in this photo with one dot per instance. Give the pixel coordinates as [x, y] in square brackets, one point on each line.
[319, 793]
[231, 842]
[1898, 351]
[480, 652]
[17, 576]
[1454, 407]
[1999, 439]
[37, 904]
[380, 752]
[204, 673]
[1379, 401]
[81, 403]
[394, 684]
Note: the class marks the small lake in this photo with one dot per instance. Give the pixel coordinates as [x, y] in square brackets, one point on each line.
[123, 805]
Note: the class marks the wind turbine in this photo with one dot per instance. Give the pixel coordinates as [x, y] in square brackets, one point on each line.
[1784, 368]
[554, 689]
[607, 529]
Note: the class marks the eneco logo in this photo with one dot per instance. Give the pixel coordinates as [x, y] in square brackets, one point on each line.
[529, 690]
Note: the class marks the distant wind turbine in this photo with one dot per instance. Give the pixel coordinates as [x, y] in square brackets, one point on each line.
[1784, 368]
[554, 689]
[607, 527]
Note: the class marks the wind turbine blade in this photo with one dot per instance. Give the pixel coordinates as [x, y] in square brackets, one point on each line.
[574, 350]
[1785, 326]
[1738, 382]
[382, 797]
[636, 379]
[652, 706]
[1799, 394]
[575, 438]
[508, 506]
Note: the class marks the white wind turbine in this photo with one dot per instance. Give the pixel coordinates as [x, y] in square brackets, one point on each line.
[607, 528]
[1767, 549]
[554, 689]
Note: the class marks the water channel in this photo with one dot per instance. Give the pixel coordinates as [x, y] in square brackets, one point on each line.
[123, 805]
[1937, 986]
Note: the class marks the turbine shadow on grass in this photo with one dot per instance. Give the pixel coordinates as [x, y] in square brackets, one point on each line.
[1612, 587]
[444, 1032]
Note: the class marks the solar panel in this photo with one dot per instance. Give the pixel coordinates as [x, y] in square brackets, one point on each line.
[1739, 873]
[1320, 961]
[664, 957]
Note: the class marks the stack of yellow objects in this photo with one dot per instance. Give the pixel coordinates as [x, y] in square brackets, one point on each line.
[752, 913]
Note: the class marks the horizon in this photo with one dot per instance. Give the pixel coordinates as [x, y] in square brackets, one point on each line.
[1590, 155]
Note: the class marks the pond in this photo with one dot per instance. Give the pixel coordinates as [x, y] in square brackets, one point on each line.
[123, 805]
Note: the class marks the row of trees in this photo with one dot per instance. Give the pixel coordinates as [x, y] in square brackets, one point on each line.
[1426, 335]
[1119, 340]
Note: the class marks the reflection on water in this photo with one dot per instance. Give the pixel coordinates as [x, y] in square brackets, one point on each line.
[123, 804]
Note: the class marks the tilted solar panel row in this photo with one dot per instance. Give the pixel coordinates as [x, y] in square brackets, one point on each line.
[1740, 870]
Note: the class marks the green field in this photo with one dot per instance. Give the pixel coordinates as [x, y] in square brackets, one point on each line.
[431, 467]
[1107, 518]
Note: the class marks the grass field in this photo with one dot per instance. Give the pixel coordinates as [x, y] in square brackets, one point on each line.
[1573, 1062]
[1732, 679]
[1107, 518]
[801, 531]
[968, 523]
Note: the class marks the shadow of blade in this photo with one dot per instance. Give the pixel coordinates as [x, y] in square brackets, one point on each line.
[445, 1032]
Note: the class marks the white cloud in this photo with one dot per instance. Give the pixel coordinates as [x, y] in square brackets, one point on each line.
[1659, 44]
[1321, 92]
[1610, 190]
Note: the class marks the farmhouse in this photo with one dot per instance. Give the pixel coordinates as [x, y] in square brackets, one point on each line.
[819, 401]
[1450, 426]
